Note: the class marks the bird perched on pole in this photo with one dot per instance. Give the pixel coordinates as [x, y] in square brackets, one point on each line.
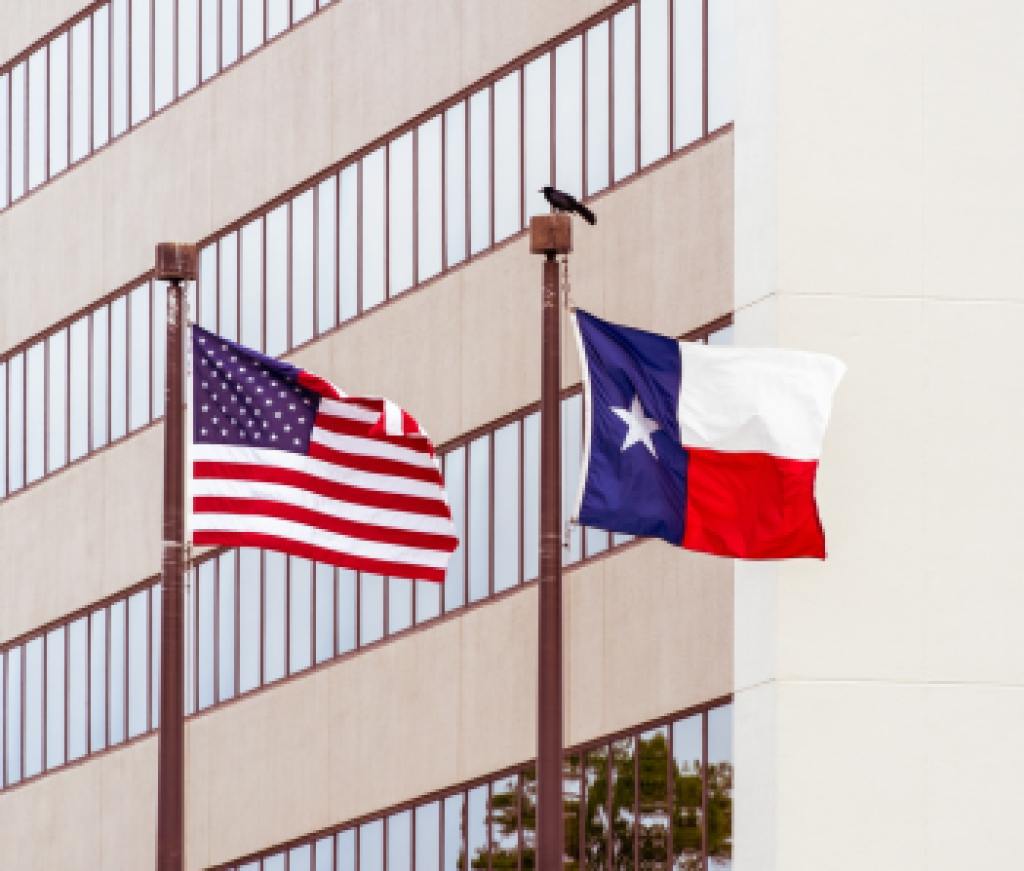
[563, 202]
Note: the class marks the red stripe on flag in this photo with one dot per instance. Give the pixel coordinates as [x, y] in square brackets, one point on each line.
[379, 465]
[321, 486]
[320, 554]
[326, 522]
[347, 426]
[752, 506]
[318, 385]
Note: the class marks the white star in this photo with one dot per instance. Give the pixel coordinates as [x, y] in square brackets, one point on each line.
[641, 427]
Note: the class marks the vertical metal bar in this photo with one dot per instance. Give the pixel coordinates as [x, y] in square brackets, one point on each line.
[110, 69]
[584, 39]
[550, 830]
[46, 405]
[387, 221]
[415, 215]
[149, 659]
[175, 37]
[44, 737]
[552, 121]
[336, 243]
[46, 126]
[521, 432]
[611, 100]
[490, 514]
[316, 259]
[609, 768]
[177, 264]
[704, 789]
[287, 615]
[522, 147]
[106, 677]
[263, 614]
[69, 54]
[466, 515]
[216, 285]
[263, 284]
[490, 161]
[237, 664]
[444, 191]
[288, 284]
[5, 666]
[152, 58]
[359, 235]
[467, 176]
[153, 302]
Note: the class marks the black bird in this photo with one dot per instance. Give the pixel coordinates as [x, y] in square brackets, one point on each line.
[563, 202]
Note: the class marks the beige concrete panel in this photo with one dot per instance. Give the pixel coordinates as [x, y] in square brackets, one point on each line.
[24, 23]
[282, 115]
[106, 514]
[99, 815]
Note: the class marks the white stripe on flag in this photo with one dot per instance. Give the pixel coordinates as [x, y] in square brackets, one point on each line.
[348, 411]
[369, 447]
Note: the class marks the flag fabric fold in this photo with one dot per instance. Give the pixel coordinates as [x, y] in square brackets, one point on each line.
[711, 448]
[282, 459]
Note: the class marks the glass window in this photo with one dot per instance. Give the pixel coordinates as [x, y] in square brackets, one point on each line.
[226, 624]
[227, 285]
[455, 183]
[57, 398]
[55, 697]
[400, 217]
[688, 69]
[249, 605]
[528, 814]
[209, 39]
[206, 288]
[19, 120]
[13, 728]
[274, 592]
[16, 423]
[3, 430]
[78, 701]
[537, 133]
[454, 836]
[302, 9]
[373, 253]
[721, 62]
[277, 17]
[300, 613]
[480, 170]
[78, 337]
[230, 34]
[455, 486]
[428, 600]
[155, 606]
[37, 117]
[569, 116]
[138, 663]
[371, 846]
[507, 182]
[101, 75]
[572, 434]
[299, 858]
[118, 367]
[595, 823]
[687, 797]
[326, 253]
[204, 653]
[116, 702]
[720, 788]
[138, 304]
[163, 52]
[159, 308]
[188, 48]
[506, 506]
[100, 375]
[348, 593]
[346, 851]
[479, 518]
[3, 716]
[277, 281]
[325, 854]
[624, 58]
[504, 822]
[428, 179]
[58, 121]
[654, 78]
[428, 831]
[81, 88]
[97, 680]
[273, 863]
[33, 714]
[724, 336]
[653, 799]
[371, 608]
[623, 793]
[324, 612]
[140, 83]
[399, 604]
[303, 303]
[35, 414]
[531, 494]
[476, 827]
[348, 243]
[399, 841]
[251, 289]
[5, 105]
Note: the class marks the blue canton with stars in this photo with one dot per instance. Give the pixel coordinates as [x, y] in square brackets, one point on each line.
[241, 397]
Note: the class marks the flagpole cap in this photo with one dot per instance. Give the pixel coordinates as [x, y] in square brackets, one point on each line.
[175, 261]
[550, 234]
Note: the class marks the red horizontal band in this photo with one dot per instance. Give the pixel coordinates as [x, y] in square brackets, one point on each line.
[347, 426]
[751, 505]
[319, 554]
[317, 385]
[381, 466]
[320, 486]
[326, 522]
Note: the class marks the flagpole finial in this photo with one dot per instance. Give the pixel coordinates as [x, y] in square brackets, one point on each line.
[175, 261]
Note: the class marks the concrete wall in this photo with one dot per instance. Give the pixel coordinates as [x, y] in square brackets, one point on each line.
[477, 319]
[878, 217]
[24, 23]
[287, 112]
[444, 704]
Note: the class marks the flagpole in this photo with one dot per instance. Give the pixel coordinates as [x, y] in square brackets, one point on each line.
[550, 235]
[176, 264]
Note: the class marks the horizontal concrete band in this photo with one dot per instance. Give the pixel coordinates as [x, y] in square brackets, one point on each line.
[437, 707]
[453, 354]
[282, 115]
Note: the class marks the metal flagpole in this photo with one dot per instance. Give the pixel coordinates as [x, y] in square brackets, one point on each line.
[175, 263]
[550, 235]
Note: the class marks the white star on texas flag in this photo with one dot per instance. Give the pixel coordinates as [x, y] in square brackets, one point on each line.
[640, 426]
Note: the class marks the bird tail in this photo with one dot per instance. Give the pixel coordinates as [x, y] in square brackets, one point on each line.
[587, 215]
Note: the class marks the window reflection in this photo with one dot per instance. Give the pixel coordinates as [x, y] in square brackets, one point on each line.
[428, 177]
[454, 835]
[163, 50]
[276, 277]
[81, 39]
[303, 303]
[477, 840]
[78, 701]
[428, 844]
[569, 116]
[35, 392]
[118, 367]
[688, 66]
[16, 423]
[37, 117]
[687, 825]
[572, 791]
[346, 858]
[721, 61]
[653, 799]
[348, 591]
[326, 230]
[371, 608]
[624, 95]
[79, 388]
[138, 663]
[348, 243]
[325, 620]
[373, 203]
[57, 123]
[97, 680]
[399, 604]
[507, 220]
[250, 605]
[400, 217]
[274, 598]
[55, 697]
[455, 484]
[117, 673]
[455, 183]
[537, 132]
[720, 788]
[480, 170]
[595, 823]
[140, 61]
[101, 75]
[654, 78]
[479, 518]
[33, 714]
[300, 613]
[506, 507]
[57, 398]
[188, 50]
[13, 730]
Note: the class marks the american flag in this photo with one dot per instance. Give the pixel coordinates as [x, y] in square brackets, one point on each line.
[283, 460]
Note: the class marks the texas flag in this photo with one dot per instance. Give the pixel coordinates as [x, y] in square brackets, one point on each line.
[712, 448]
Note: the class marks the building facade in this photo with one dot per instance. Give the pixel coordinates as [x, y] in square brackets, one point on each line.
[358, 175]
